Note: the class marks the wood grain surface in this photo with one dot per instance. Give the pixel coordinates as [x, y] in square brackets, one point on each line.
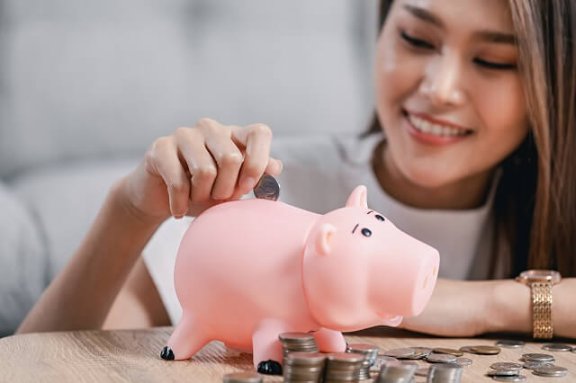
[133, 356]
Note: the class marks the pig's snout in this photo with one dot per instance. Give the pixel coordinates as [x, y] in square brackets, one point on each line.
[406, 274]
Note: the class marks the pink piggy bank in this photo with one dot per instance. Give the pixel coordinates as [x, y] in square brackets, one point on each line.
[249, 270]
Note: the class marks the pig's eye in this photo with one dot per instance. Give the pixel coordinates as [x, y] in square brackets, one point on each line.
[379, 217]
[366, 232]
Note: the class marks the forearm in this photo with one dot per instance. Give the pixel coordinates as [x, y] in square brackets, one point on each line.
[82, 294]
[511, 308]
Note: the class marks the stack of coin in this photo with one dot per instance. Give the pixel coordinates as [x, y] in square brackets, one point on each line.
[242, 377]
[370, 353]
[534, 360]
[297, 341]
[440, 358]
[445, 373]
[381, 361]
[343, 367]
[504, 370]
[396, 373]
[550, 371]
[303, 367]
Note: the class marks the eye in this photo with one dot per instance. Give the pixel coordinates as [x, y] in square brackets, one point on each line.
[366, 232]
[494, 65]
[416, 42]
[379, 217]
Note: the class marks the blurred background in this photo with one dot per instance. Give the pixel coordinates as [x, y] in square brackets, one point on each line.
[86, 86]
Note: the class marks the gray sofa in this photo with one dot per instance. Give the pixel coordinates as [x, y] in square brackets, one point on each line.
[86, 86]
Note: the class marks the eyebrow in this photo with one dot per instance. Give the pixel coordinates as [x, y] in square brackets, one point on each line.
[489, 36]
[355, 227]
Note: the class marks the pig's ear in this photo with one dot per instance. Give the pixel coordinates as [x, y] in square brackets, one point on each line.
[358, 197]
[324, 239]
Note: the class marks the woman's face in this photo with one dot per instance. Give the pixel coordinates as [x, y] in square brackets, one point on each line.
[448, 91]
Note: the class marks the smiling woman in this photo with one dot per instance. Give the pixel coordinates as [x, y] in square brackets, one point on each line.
[471, 149]
[440, 77]
[469, 87]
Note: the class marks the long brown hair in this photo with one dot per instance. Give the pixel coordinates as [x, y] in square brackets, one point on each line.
[535, 201]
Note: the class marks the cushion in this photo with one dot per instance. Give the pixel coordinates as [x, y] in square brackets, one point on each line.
[23, 261]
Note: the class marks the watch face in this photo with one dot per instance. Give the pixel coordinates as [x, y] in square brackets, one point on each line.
[540, 276]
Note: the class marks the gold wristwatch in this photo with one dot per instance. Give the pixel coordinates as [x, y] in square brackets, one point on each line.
[541, 282]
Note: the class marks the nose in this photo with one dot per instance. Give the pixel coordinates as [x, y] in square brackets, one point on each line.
[442, 82]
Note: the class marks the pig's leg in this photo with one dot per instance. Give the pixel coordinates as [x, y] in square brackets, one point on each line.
[185, 341]
[267, 350]
[330, 340]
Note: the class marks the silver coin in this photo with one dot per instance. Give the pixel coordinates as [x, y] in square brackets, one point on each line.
[450, 351]
[532, 365]
[267, 188]
[400, 353]
[504, 372]
[536, 357]
[242, 377]
[507, 343]
[440, 358]
[555, 371]
[556, 347]
[420, 352]
[514, 378]
[506, 365]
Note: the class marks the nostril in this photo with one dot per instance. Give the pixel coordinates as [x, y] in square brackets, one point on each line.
[429, 278]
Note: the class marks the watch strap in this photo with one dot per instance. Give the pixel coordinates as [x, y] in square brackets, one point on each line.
[541, 294]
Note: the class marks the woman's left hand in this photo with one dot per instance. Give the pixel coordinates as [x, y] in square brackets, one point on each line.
[457, 308]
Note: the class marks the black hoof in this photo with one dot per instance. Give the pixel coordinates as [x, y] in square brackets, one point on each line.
[167, 353]
[270, 367]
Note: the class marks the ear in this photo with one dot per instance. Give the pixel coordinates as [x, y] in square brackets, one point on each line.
[324, 239]
[358, 197]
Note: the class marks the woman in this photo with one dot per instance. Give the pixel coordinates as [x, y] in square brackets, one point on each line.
[475, 100]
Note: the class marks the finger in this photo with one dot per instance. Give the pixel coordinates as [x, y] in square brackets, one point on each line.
[228, 159]
[274, 167]
[201, 166]
[227, 156]
[256, 139]
[163, 158]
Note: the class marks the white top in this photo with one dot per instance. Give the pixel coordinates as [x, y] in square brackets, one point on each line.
[319, 174]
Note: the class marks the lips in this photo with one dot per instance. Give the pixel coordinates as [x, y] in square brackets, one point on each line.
[434, 131]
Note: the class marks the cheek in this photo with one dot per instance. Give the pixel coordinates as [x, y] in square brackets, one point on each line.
[396, 75]
[503, 111]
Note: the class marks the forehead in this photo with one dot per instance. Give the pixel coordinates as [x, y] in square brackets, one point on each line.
[463, 14]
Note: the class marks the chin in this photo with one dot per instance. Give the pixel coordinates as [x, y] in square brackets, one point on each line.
[428, 178]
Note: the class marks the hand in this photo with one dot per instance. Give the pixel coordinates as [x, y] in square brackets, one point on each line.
[457, 308]
[198, 167]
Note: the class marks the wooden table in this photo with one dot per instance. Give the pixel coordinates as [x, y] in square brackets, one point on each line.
[133, 356]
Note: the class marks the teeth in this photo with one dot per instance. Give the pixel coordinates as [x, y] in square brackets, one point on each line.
[435, 129]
